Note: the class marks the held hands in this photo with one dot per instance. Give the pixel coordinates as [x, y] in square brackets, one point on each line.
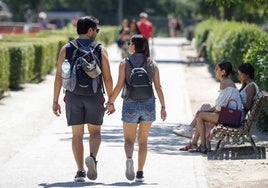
[110, 108]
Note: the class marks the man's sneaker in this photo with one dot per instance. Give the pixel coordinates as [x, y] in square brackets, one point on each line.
[80, 176]
[91, 164]
[188, 132]
[139, 176]
[130, 174]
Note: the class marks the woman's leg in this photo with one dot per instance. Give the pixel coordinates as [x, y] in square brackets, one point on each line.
[143, 133]
[130, 130]
[205, 116]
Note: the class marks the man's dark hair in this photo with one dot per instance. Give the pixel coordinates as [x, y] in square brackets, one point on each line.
[86, 22]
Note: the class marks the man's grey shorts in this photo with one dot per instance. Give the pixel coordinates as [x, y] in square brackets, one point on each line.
[84, 109]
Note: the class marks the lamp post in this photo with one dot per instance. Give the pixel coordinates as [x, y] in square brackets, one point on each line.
[120, 11]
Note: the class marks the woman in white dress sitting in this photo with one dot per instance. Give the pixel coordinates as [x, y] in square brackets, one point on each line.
[227, 91]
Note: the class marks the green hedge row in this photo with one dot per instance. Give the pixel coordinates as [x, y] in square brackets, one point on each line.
[238, 43]
[29, 58]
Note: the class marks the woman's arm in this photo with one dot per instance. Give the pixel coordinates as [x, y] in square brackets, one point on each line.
[119, 85]
[159, 91]
[251, 92]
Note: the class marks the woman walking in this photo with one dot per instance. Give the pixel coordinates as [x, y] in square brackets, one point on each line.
[137, 112]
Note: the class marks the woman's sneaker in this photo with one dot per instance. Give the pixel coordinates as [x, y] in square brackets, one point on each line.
[91, 164]
[130, 174]
[187, 132]
[139, 176]
[80, 176]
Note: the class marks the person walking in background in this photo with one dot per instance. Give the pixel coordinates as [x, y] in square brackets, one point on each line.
[124, 27]
[137, 112]
[133, 27]
[84, 109]
[178, 28]
[123, 38]
[145, 26]
[171, 26]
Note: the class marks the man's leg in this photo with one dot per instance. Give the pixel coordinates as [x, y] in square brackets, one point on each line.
[77, 146]
[94, 139]
[94, 144]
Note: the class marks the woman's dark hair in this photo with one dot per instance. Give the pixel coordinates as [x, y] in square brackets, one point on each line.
[227, 66]
[137, 30]
[86, 22]
[247, 68]
[141, 45]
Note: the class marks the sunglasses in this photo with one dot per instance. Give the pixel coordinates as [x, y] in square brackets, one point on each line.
[128, 43]
[97, 30]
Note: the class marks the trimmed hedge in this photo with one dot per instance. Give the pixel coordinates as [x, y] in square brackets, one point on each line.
[202, 31]
[4, 69]
[35, 55]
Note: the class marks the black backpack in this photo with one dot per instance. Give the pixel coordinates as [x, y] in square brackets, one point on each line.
[140, 85]
[81, 82]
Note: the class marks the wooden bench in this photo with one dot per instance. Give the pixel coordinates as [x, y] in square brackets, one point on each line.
[237, 136]
[197, 57]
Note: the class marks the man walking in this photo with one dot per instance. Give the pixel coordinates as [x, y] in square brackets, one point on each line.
[82, 108]
[145, 26]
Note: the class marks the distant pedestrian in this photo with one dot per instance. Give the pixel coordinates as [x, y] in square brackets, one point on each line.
[137, 112]
[123, 38]
[133, 27]
[178, 28]
[145, 26]
[42, 18]
[84, 109]
[171, 26]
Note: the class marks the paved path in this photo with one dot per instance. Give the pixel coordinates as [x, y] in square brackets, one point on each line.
[35, 145]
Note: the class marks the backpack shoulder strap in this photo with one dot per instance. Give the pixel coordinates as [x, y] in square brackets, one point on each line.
[94, 45]
[74, 43]
[130, 63]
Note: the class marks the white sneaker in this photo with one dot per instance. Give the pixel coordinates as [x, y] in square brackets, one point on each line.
[188, 132]
[92, 168]
[130, 174]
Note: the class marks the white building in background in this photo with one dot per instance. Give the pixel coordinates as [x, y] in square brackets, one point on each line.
[61, 18]
[5, 14]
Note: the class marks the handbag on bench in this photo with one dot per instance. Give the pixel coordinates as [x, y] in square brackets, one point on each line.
[230, 117]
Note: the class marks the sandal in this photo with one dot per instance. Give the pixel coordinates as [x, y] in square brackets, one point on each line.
[208, 147]
[188, 147]
[200, 148]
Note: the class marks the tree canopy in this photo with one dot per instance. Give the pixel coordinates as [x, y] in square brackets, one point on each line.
[108, 10]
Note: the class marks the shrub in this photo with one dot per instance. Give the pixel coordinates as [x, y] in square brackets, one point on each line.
[4, 70]
[257, 55]
[202, 31]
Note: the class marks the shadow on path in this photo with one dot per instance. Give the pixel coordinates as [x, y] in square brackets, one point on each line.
[239, 153]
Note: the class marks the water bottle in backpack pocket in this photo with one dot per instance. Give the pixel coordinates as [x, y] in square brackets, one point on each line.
[66, 74]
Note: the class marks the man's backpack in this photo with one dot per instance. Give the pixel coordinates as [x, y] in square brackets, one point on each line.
[86, 78]
[140, 85]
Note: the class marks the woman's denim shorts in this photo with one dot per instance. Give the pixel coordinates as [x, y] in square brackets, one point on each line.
[136, 111]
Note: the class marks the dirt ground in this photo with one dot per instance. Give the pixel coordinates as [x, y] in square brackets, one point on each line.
[239, 166]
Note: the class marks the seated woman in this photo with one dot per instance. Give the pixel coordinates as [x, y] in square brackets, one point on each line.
[249, 89]
[210, 114]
